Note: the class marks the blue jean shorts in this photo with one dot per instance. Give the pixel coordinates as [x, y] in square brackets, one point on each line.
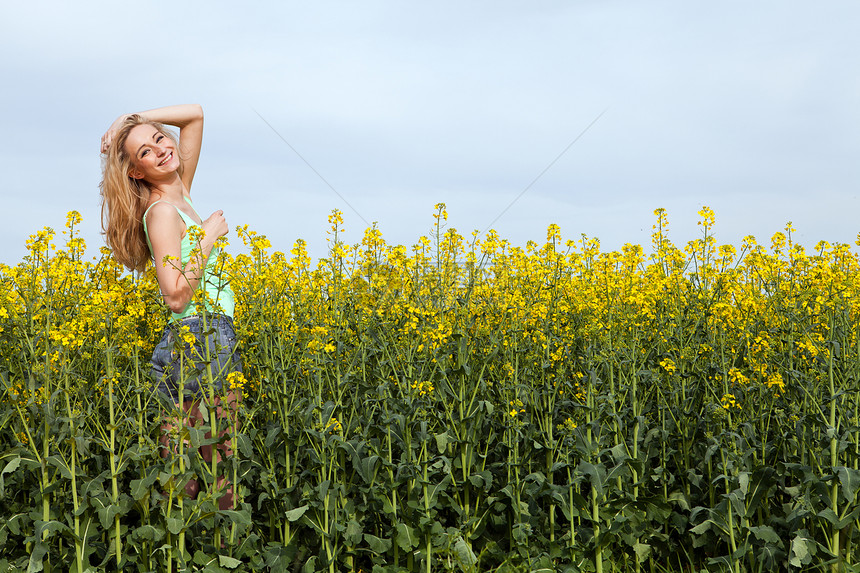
[178, 366]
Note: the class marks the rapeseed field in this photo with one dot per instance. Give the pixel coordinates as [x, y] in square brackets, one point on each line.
[461, 404]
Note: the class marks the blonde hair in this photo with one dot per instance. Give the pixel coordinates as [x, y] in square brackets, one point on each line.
[124, 198]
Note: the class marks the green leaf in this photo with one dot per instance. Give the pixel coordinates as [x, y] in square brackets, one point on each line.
[850, 479]
[204, 411]
[352, 536]
[244, 443]
[802, 551]
[200, 558]
[442, 442]
[106, 515]
[521, 532]
[680, 498]
[465, 556]
[765, 533]
[367, 466]
[377, 545]
[619, 453]
[15, 522]
[140, 487]
[322, 489]
[48, 528]
[643, 550]
[174, 525]
[488, 406]
[744, 482]
[239, 517]
[769, 555]
[277, 558]
[701, 528]
[11, 466]
[596, 474]
[60, 464]
[297, 513]
[310, 565]
[488, 479]
[273, 434]
[228, 562]
[148, 533]
[761, 482]
[829, 515]
[406, 537]
[438, 488]
[36, 557]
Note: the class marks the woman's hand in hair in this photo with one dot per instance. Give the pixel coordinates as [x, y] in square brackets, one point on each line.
[107, 138]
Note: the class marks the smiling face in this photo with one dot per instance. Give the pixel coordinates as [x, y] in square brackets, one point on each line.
[153, 154]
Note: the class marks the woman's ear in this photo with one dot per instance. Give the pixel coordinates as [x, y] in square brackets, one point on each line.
[135, 174]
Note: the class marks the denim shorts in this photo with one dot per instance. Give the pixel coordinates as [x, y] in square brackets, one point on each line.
[176, 364]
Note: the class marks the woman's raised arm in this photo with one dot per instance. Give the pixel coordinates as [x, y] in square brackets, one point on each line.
[188, 118]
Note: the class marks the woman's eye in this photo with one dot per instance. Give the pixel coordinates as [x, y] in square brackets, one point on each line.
[145, 151]
[159, 138]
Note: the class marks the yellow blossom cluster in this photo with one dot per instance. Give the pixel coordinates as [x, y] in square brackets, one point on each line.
[517, 408]
[729, 402]
[448, 306]
[333, 426]
[422, 388]
[236, 381]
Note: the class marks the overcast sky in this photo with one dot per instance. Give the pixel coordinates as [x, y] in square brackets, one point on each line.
[752, 108]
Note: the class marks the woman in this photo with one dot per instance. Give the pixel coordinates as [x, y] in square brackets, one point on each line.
[147, 213]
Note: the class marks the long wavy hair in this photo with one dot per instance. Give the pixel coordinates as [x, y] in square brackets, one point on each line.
[124, 198]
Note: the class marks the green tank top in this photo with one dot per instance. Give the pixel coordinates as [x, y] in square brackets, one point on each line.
[220, 297]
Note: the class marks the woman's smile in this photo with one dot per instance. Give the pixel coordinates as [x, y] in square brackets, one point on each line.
[166, 159]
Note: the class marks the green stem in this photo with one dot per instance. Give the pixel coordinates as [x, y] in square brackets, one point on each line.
[595, 518]
[729, 513]
[113, 461]
[834, 457]
[79, 550]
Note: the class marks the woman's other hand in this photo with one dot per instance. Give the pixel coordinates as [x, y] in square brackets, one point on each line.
[216, 225]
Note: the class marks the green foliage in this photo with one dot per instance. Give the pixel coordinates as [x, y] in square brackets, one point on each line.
[504, 411]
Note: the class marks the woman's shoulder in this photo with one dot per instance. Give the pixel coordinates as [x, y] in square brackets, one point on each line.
[160, 211]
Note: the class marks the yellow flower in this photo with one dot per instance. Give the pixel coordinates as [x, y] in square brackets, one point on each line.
[517, 408]
[423, 388]
[236, 381]
[775, 381]
[737, 377]
[334, 426]
[668, 365]
[186, 335]
[728, 402]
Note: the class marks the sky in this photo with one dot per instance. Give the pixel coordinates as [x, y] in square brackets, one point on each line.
[587, 114]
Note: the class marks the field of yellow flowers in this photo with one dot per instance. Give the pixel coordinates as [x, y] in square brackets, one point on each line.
[462, 404]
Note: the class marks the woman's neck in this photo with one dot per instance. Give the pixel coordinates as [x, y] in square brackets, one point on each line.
[170, 192]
